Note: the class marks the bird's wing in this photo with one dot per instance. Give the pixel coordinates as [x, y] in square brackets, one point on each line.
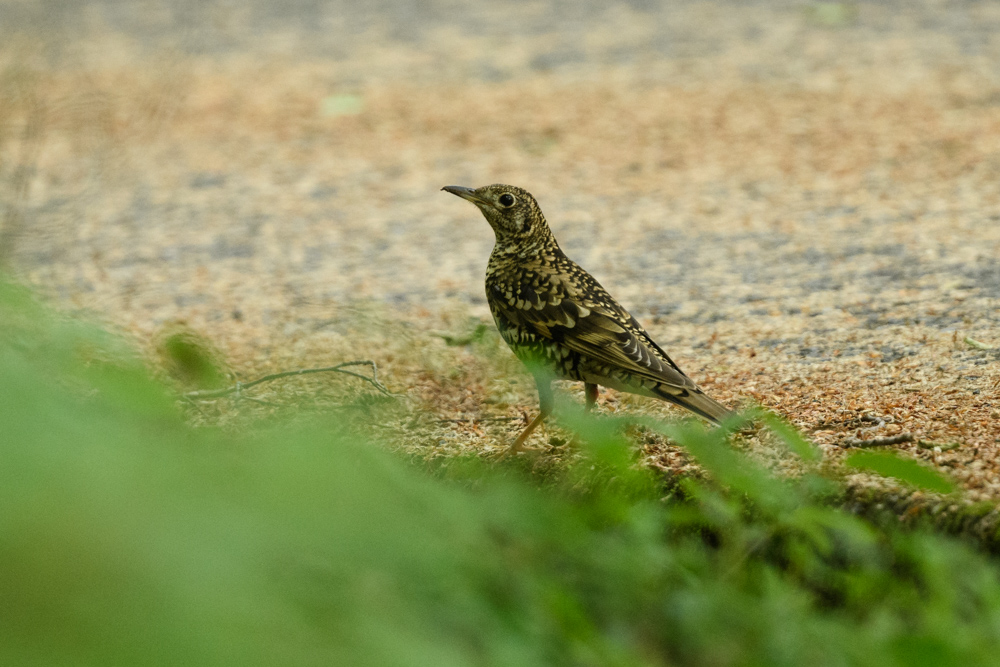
[593, 326]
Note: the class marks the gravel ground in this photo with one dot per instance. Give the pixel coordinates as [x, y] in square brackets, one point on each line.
[800, 200]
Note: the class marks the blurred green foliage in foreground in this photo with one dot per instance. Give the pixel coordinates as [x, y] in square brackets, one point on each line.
[129, 538]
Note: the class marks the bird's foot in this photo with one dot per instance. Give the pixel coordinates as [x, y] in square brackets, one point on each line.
[513, 451]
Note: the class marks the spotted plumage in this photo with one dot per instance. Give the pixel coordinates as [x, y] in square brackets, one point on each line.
[558, 319]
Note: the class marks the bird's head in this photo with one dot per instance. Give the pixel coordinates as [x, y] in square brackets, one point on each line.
[512, 212]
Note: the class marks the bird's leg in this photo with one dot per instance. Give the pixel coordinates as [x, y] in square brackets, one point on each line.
[590, 389]
[545, 402]
[519, 442]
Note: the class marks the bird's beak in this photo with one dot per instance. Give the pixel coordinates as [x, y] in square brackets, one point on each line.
[466, 193]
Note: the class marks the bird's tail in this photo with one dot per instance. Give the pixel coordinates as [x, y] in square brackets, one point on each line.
[699, 403]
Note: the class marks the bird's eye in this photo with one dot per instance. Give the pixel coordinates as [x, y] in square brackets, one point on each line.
[507, 200]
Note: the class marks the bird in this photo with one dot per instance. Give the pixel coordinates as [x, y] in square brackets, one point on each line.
[561, 323]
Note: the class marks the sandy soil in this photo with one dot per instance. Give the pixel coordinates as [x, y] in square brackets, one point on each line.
[800, 201]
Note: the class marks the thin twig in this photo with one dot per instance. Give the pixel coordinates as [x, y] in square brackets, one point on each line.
[854, 421]
[239, 387]
[878, 442]
[195, 405]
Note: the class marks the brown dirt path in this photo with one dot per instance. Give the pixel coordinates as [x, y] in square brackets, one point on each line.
[803, 209]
